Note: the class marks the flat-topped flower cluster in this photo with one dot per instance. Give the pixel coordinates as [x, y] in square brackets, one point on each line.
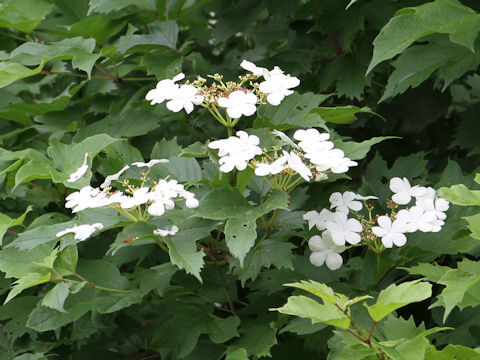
[376, 232]
[237, 98]
[136, 202]
[236, 152]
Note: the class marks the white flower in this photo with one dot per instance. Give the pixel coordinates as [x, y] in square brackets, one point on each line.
[277, 85]
[344, 229]
[345, 202]
[87, 197]
[312, 140]
[139, 197]
[324, 250]
[428, 202]
[342, 165]
[164, 193]
[239, 103]
[82, 232]
[391, 233]
[75, 176]
[365, 198]
[296, 164]
[320, 176]
[150, 163]
[318, 219]
[166, 232]
[333, 160]
[191, 202]
[274, 168]
[285, 138]
[403, 191]
[184, 98]
[236, 151]
[417, 219]
[108, 180]
[254, 69]
[164, 90]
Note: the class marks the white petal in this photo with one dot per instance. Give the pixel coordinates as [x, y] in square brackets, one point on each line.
[334, 261]
[317, 258]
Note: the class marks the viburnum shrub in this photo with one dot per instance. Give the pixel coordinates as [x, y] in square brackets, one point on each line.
[165, 197]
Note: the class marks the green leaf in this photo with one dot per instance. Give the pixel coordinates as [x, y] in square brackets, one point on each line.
[321, 290]
[43, 318]
[17, 263]
[107, 6]
[236, 354]
[164, 64]
[416, 64]
[55, 298]
[112, 302]
[222, 330]
[163, 33]
[460, 195]
[457, 283]
[38, 236]
[429, 271]
[357, 151]
[183, 250]
[97, 27]
[181, 168]
[257, 338]
[102, 273]
[341, 114]
[23, 15]
[397, 296]
[240, 235]
[10, 72]
[306, 307]
[474, 225]
[223, 203]
[68, 158]
[77, 49]
[26, 282]
[411, 24]
[269, 253]
[449, 352]
[292, 112]
[157, 277]
[66, 262]
[278, 199]
[7, 222]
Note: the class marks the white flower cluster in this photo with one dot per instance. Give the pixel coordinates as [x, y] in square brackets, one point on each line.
[427, 215]
[337, 229]
[236, 99]
[315, 145]
[179, 97]
[158, 198]
[276, 84]
[236, 151]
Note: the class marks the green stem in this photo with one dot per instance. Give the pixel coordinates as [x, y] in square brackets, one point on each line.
[260, 241]
[295, 183]
[162, 245]
[274, 217]
[378, 266]
[125, 213]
